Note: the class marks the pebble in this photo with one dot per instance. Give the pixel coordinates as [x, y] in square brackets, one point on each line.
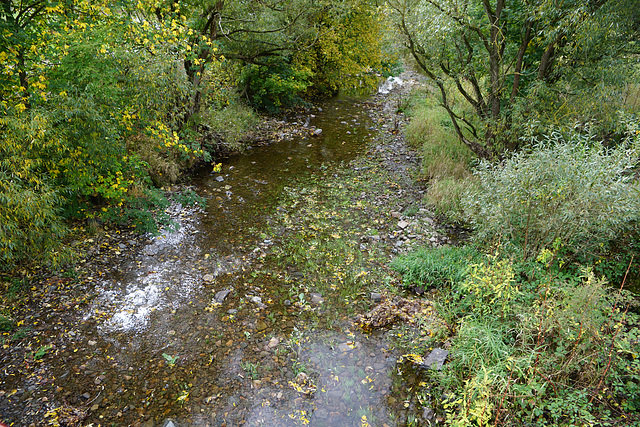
[316, 298]
[261, 325]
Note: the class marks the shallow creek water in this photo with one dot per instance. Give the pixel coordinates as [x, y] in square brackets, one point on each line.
[162, 348]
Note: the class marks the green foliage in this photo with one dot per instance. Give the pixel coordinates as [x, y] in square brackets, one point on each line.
[171, 360]
[6, 324]
[573, 194]
[230, 123]
[562, 63]
[564, 352]
[188, 197]
[445, 195]
[31, 227]
[42, 351]
[347, 51]
[491, 288]
[276, 86]
[443, 155]
[436, 267]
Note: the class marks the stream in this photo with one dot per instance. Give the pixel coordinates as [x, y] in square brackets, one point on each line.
[203, 326]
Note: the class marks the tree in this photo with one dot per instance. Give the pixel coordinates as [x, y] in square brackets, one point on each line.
[248, 31]
[500, 56]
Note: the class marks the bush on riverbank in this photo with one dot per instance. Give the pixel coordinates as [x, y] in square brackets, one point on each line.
[541, 332]
[573, 195]
[543, 348]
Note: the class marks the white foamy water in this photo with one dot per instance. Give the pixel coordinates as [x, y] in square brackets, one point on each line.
[160, 278]
[134, 309]
[388, 85]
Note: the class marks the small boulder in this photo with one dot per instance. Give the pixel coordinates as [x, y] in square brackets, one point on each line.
[220, 296]
[261, 325]
[435, 359]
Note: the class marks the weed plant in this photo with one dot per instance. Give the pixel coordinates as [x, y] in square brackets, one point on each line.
[546, 348]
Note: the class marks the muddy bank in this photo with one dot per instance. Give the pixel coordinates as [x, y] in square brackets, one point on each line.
[245, 315]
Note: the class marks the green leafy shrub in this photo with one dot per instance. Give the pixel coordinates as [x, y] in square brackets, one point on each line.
[31, 227]
[562, 353]
[491, 288]
[271, 88]
[574, 192]
[144, 212]
[231, 123]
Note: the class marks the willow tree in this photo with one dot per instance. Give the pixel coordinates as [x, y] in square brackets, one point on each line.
[502, 57]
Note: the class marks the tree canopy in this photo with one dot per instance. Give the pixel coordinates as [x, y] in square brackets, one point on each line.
[516, 60]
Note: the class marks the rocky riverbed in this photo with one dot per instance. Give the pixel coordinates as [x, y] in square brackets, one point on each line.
[247, 315]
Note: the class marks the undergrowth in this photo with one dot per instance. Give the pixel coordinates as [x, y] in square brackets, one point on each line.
[543, 348]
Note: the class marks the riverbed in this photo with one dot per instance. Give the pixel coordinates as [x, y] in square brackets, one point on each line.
[244, 312]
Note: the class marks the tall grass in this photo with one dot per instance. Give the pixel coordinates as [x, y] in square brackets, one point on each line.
[445, 160]
[444, 156]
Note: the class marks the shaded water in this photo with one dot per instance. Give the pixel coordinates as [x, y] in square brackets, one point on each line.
[161, 346]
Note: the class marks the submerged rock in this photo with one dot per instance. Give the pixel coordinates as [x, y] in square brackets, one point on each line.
[220, 296]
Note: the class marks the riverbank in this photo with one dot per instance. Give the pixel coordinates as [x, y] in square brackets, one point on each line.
[295, 291]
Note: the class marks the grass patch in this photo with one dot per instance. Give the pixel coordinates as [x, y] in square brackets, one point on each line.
[445, 160]
[445, 196]
[444, 156]
[6, 324]
[435, 267]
